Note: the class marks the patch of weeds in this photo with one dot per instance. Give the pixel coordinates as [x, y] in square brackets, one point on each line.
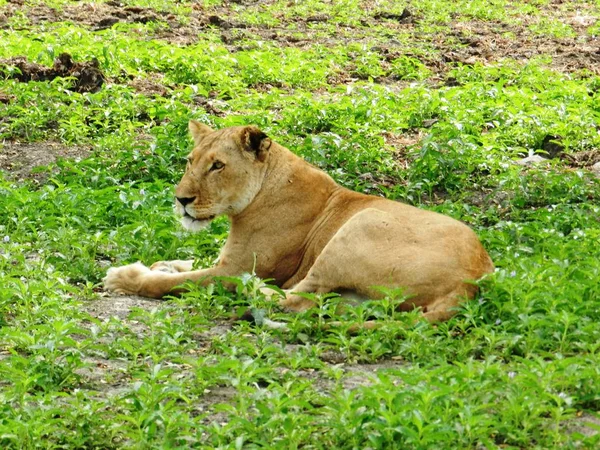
[517, 367]
[408, 68]
[552, 28]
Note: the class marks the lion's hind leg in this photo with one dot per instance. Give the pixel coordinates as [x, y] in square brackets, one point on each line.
[446, 306]
[372, 250]
[349, 262]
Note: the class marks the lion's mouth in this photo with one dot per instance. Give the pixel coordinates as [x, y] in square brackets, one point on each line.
[192, 223]
[199, 219]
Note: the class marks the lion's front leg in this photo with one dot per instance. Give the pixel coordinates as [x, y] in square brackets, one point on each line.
[137, 279]
[128, 280]
[174, 266]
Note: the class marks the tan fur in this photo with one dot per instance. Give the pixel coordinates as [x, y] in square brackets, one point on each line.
[292, 223]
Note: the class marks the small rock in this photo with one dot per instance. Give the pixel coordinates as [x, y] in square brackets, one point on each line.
[134, 9]
[317, 18]
[106, 22]
[428, 123]
[146, 18]
[406, 14]
[217, 21]
[596, 169]
[530, 160]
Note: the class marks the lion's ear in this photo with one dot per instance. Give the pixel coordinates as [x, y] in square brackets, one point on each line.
[198, 131]
[256, 141]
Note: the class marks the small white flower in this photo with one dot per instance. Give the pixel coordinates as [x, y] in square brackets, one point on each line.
[511, 375]
[6, 239]
[246, 277]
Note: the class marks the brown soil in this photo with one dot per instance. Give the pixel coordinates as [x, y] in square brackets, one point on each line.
[149, 87]
[19, 160]
[87, 75]
[487, 42]
[97, 16]
[110, 377]
[582, 159]
[120, 307]
[585, 423]
[466, 41]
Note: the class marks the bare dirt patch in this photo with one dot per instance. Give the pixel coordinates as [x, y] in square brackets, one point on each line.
[149, 87]
[120, 308]
[351, 376]
[100, 16]
[360, 375]
[97, 16]
[109, 378]
[587, 158]
[466, 41]
[587, 424]
[488, 42]
[19, 160]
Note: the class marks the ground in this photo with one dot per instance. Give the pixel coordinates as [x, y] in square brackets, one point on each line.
[485, 111]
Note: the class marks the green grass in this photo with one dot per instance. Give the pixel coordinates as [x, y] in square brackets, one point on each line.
[376, 105]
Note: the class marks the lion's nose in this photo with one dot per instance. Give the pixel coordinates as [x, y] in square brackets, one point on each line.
[185, 200]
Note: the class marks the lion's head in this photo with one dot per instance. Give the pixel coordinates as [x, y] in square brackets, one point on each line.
[224, 173]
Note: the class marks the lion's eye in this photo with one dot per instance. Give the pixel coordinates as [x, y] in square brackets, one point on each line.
[217, 165]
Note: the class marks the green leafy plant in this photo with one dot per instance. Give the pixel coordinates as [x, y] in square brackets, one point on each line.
[407, 100]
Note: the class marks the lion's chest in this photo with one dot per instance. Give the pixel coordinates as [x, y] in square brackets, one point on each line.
[279, 269]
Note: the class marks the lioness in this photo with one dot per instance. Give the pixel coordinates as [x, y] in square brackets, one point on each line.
[292, 223]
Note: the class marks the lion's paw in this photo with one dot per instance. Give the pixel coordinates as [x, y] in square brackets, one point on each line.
[126, 280]
[296, 303]
[270, 293]
[175, 266]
